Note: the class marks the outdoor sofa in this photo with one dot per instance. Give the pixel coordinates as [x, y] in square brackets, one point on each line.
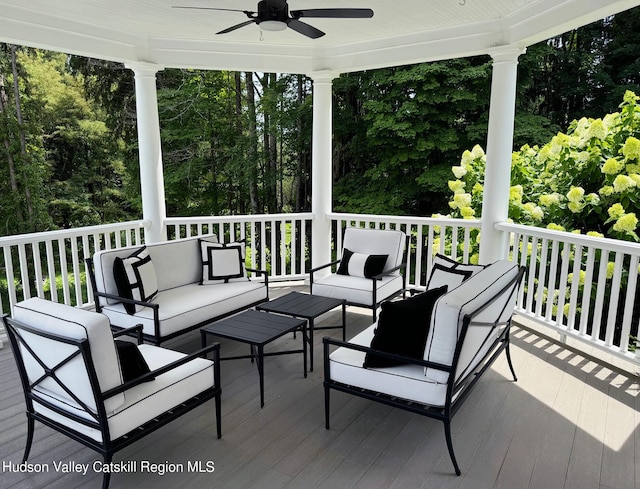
[174, 287]
[427, 352]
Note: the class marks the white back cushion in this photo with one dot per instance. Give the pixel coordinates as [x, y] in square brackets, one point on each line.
[376, 242]
[72, 323]
[449, 312]
[176, 263]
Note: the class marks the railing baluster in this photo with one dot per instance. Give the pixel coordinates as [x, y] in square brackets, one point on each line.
[613, 299]
[24, 271]
[630, 298]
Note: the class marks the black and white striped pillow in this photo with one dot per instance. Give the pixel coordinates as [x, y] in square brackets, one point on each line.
[360, 264]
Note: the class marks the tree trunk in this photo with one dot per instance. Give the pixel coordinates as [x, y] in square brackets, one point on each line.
[4, 100]
[253, 149]
[23, 143]
[273, 154]
[299, 177]
[238, 120]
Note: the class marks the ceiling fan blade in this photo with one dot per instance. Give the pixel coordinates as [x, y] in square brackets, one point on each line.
[334, 13]
[214, 8]
[233, 28]
[305, 29]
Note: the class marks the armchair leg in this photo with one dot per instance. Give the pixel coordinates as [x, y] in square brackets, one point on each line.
[218, 415]
[30, 429]
[508, 352]
[326, 407]
[107, 475]
[447, 434]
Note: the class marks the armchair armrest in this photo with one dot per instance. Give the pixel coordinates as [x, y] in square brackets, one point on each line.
[352, 346]
[389, 271]
[335, 262]
[133, 330]
[259, 272]
[214, 347]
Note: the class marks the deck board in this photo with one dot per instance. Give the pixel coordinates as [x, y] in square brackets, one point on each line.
[567, 423]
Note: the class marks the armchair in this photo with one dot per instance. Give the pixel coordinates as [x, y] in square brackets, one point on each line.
[73, 381]
[369, 270]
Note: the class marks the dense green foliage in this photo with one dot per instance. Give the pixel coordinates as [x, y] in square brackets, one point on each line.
[237, 143]
[586, 180]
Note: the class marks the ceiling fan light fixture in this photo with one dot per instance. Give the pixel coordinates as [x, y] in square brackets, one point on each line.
[273, 25]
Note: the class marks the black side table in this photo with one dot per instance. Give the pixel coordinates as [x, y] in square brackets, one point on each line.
[309, 307]
[257, 329]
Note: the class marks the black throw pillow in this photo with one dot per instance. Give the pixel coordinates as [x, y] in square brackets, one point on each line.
[402, 328]
[132, 363]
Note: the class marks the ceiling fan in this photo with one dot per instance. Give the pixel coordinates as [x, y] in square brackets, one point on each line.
[274, 15]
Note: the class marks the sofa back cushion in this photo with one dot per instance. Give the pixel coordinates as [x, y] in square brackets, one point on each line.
[484, 289]
[376, 242]
[176, 263]
[71, 323]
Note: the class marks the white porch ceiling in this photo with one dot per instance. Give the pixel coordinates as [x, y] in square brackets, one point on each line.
[401, 31]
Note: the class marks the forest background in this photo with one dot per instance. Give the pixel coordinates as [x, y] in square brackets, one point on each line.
[240, 143]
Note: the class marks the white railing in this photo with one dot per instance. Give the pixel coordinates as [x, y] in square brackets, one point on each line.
[580, 286]
[51, 264]
[277, 243]
[600, 307]
[428, 236]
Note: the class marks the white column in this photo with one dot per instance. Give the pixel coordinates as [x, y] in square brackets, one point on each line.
[497, 178]
[321, 167]
[150, 150]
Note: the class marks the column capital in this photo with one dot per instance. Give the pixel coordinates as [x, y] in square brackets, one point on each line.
[144, 68]
[506, 53]
[324, 76]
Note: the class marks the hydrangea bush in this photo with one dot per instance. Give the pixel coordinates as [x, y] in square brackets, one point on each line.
[587, 180]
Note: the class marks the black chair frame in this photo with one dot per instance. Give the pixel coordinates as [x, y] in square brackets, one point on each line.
[107, 448]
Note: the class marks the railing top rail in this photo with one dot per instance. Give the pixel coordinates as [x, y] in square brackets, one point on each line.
[19, 239]
[608, 244]
[238, 218]
[437, 221]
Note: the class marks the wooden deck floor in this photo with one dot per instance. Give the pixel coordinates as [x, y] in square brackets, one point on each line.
[567, 423]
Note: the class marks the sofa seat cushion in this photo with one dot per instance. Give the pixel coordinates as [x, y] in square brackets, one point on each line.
[356, 290]
[189, 305]
[404, 381]
[150, 399]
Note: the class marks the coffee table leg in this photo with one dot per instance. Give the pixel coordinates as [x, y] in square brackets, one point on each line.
[311, 345]
[304, 347]
[344, 321]
[261, 373]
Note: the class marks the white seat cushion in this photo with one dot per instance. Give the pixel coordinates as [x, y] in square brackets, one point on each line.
[357, 290]
[190, 304]
[404, 381]
[150, 399]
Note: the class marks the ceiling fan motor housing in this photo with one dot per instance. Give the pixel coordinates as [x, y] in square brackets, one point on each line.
[273, 11]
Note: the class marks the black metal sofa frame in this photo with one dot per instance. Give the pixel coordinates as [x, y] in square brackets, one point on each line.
[457, 391]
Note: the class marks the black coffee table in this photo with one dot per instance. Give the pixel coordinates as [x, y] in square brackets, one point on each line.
[257, 329]
[309, 307]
